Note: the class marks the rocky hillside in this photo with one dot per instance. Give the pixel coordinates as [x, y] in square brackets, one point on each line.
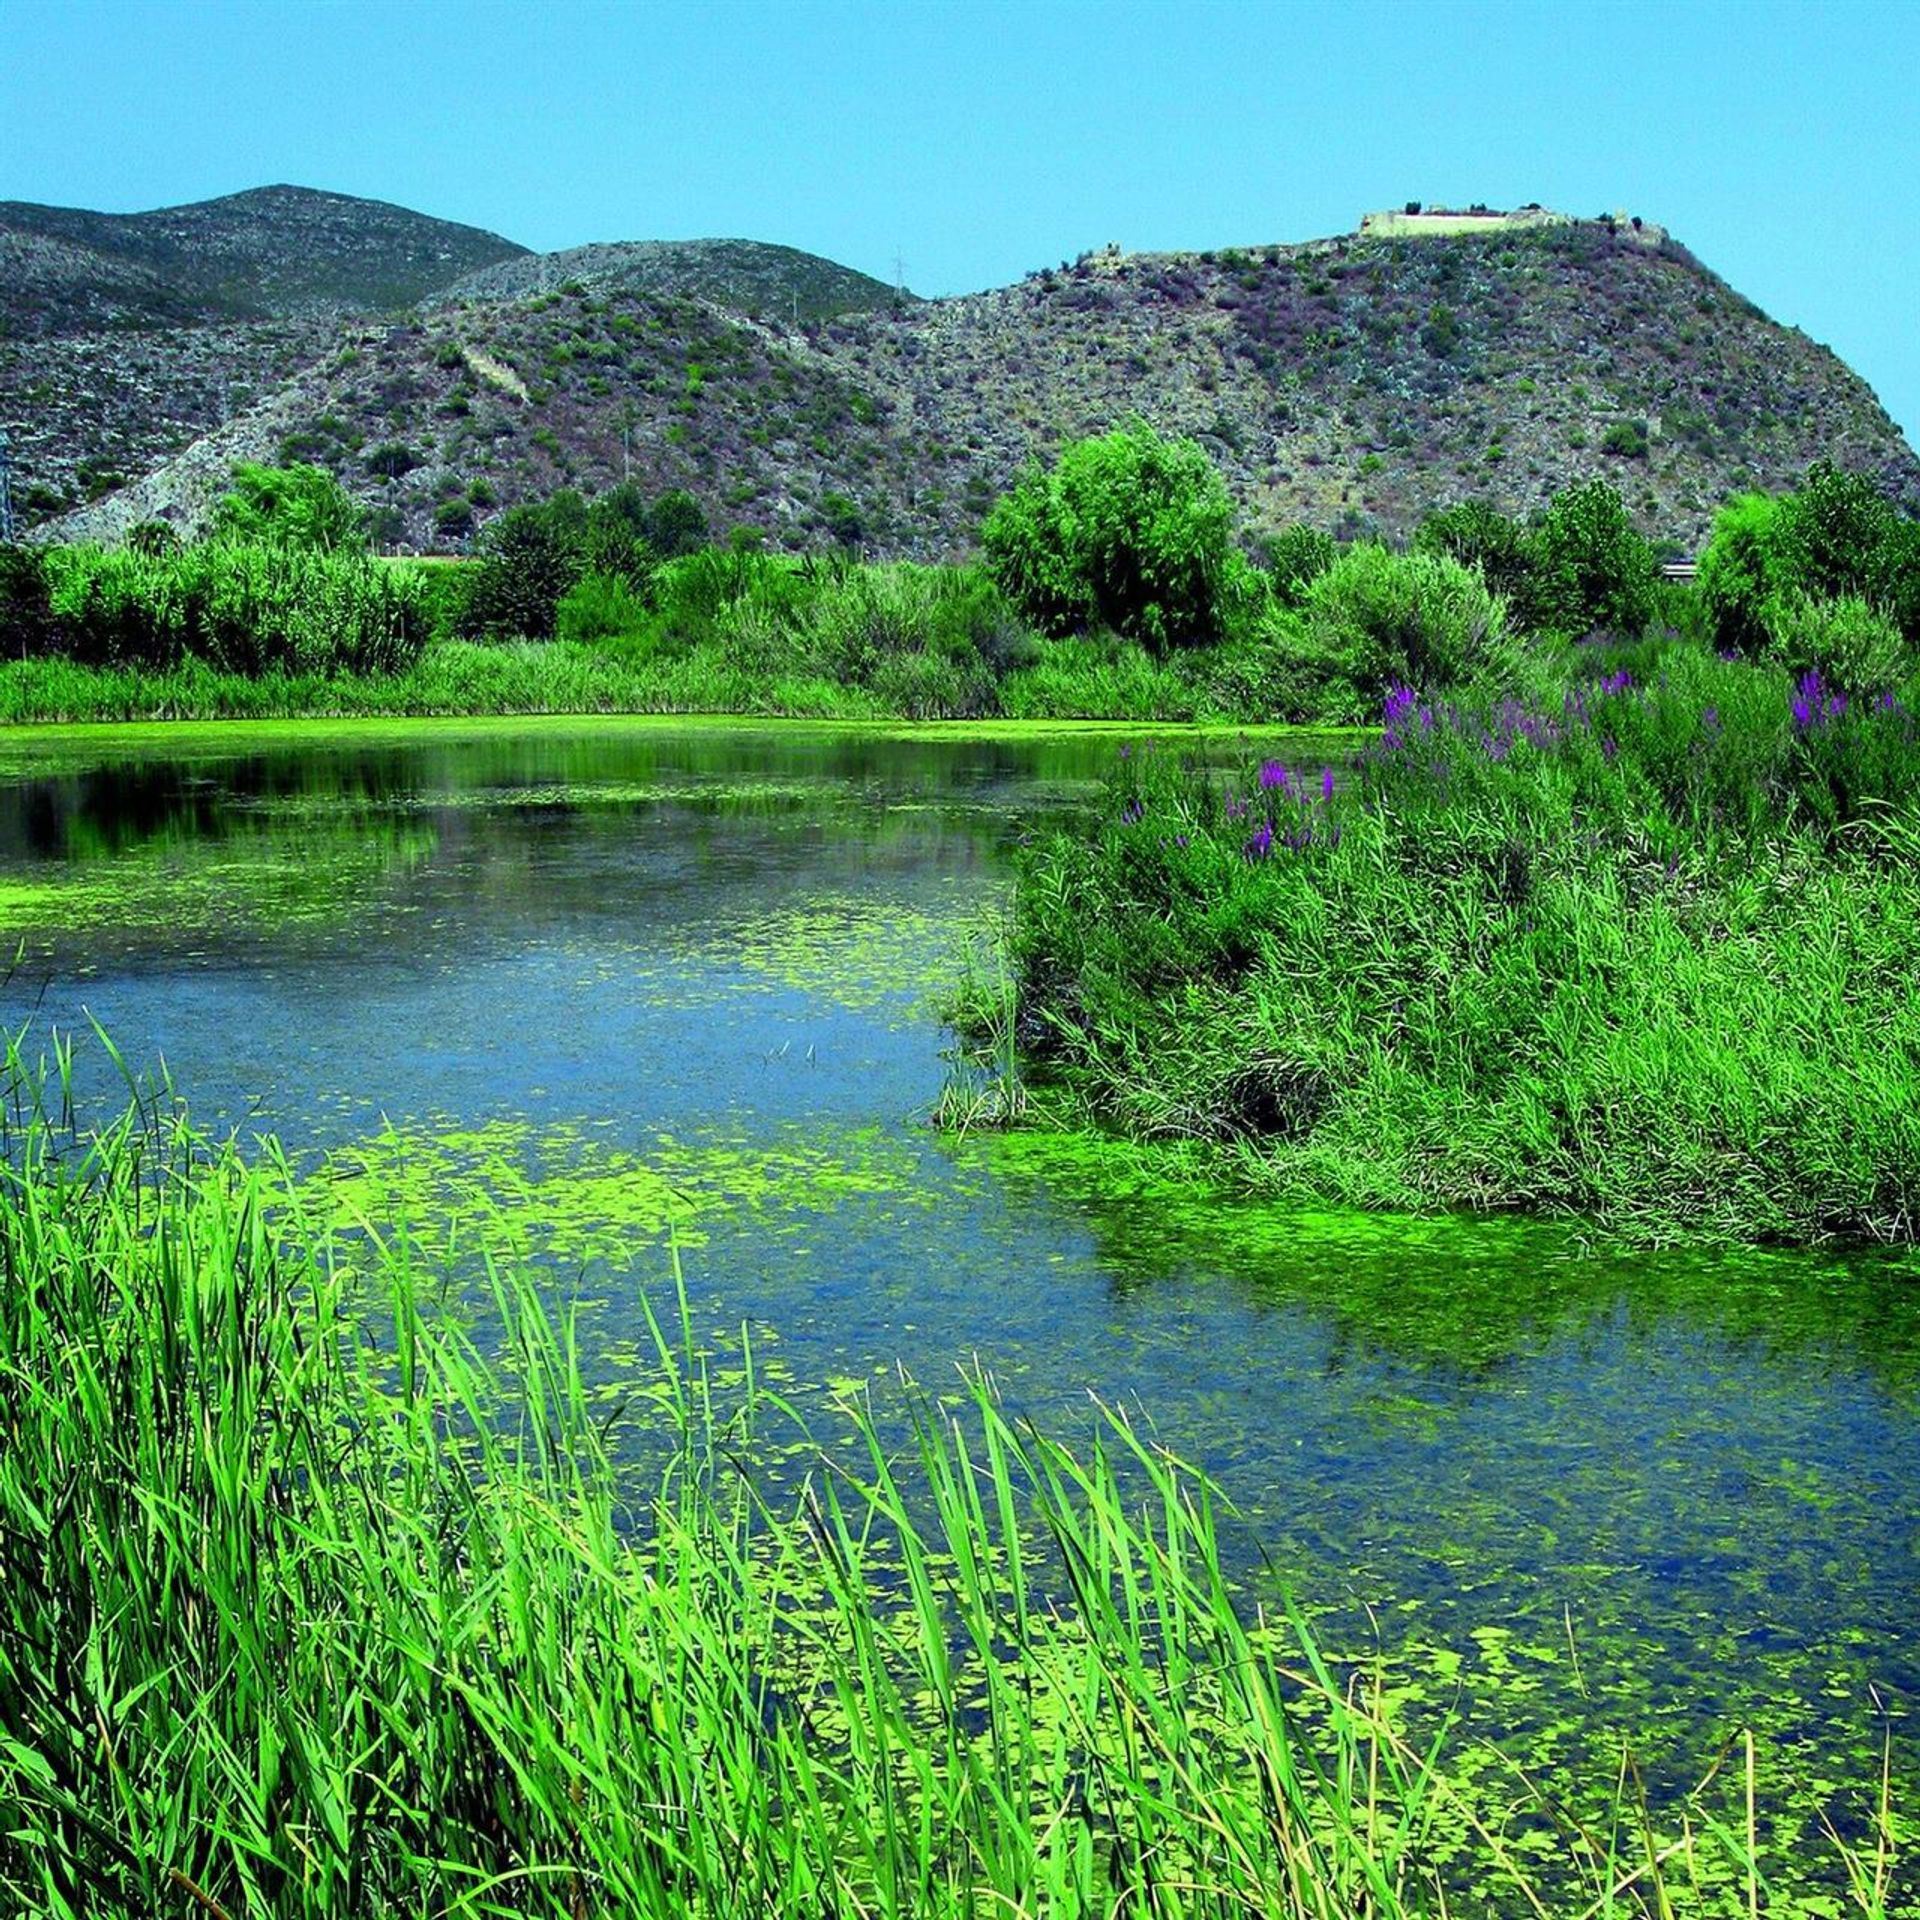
[125, 337]
[1355, 383]
[271, 253]
[761, 281]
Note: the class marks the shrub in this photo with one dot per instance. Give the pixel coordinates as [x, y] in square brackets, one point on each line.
[1127, 529]
[1296, 557]
[27, 626]
[1853, 648]
[1587, 567]
[528, 560]
[1625, 440]
[1836, 538]
[392, 460]
[296, 506]
[599, 607]
[1480, 536]
[1743, 571]
[676, 524]
[1386, 619]
[453, 519]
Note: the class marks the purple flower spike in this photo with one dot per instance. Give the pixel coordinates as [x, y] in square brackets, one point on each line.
[1326, 784]
[1274, 774]
[1262, 842]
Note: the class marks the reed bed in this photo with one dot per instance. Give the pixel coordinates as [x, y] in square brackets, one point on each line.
[324, 1591]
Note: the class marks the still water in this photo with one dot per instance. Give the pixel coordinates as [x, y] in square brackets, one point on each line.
[602, 989]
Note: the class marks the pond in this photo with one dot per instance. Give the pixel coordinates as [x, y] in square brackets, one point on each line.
[604, 990]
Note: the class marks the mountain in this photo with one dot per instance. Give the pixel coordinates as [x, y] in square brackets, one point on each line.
[1356, 382]
[125, 337]
[778, 283]
[272, 253]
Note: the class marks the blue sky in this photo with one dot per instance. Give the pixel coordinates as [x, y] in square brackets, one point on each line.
[973, 142]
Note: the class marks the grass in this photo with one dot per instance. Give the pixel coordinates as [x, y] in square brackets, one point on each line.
[321, 1594]
[1653, 957]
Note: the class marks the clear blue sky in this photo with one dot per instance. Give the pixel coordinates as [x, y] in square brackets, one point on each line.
[976, 141]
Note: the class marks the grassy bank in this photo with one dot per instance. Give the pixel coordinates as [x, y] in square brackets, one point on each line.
[314, 1602]
[1651, 953]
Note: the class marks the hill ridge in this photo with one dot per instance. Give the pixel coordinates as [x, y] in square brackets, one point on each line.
[1353, 381]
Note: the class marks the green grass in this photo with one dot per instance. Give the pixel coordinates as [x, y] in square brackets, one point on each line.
[1655, 961]
[321, 1597]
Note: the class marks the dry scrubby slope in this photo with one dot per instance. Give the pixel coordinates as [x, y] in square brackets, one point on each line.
[125, 337]
[780, 283]
[1354, 383]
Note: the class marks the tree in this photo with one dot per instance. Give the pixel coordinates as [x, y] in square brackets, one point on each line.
[529, 557]
[676, 524]
[1588, 569]
[1129, 530]
[297, 506]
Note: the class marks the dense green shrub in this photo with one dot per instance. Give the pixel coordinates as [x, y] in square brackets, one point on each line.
[1480, 536]
[1296, 557]
[1742, 570]
[238, 607]
[527, 560]
[27, 625]
[294, 506]
[1126, 529]
[1836, 538]
[1587, 567]
[1855, 648]
[1381, 619]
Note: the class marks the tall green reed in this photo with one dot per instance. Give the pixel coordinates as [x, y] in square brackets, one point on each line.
[325, 1593]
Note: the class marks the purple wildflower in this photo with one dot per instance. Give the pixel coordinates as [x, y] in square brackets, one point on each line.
[1132, 813]
[1609, 746]
[1274, 774]
[1262, 842]
[1326, 784]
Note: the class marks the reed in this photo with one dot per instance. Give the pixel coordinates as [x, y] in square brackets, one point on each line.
[325, 1593]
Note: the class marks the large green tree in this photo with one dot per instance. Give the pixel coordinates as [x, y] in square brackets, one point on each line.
[297, 506]
[1126, 530]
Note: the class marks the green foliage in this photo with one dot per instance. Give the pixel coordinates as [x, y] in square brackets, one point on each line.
[1648, 954]
[453, 519]
[1626, 440]
[1854, 648]
[1836, 538]
[676, 524]
[1743, 570]
[1127, 529]
[296, 506]
[1480, 536]
[392, 460]
[527, 560]
[1382, 620]
[27, 625]
[1296, 557]
[153, 537]
[237, 607]
[1588, 569]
